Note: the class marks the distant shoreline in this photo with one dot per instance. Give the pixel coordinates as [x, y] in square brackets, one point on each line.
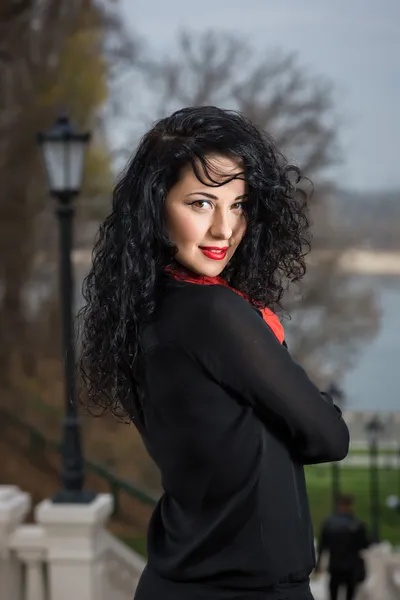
[368, 262]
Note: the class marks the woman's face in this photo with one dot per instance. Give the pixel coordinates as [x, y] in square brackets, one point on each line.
[206, 223]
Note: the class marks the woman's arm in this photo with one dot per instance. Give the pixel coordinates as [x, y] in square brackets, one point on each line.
[227, 337]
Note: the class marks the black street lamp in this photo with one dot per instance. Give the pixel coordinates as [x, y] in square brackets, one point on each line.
[398, 472]
[63, 152]
[373, 428]
[337, 395]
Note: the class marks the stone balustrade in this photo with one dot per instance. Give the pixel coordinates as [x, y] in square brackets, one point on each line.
[68, 553]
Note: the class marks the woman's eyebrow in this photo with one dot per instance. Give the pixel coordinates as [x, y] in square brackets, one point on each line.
[206, 194]
[212, 196]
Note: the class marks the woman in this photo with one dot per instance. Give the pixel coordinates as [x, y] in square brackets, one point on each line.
[207, 228]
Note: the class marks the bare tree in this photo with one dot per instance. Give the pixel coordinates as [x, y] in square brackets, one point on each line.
[34, 49]
[331, 317]
[274, 91]
[32, 34]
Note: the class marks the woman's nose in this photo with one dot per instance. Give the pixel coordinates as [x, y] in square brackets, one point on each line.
[221, 226]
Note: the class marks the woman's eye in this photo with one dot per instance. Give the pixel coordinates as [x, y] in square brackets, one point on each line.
[202, 204]
[239, 206]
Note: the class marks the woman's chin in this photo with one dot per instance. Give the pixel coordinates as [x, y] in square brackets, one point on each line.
[203, 269]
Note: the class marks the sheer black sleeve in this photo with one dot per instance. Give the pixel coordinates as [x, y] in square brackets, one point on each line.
[227, 337]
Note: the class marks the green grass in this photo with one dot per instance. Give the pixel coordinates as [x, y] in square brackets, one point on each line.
[356, 482]
[382, 452]
[138, 544]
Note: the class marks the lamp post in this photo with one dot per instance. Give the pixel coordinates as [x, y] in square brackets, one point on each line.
[337, 396]
[63, 151]
[373, 428]
[398, 474]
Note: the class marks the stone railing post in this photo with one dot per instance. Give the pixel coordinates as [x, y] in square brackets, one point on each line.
[74, 547]
[14, 506]
[393, 573]
[376, 584]
[29, 544]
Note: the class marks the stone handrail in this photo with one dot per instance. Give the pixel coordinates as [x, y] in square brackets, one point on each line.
[121, 568]
[14, 507]
[393, 575]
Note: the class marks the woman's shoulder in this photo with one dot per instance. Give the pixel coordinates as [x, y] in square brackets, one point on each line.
[193, 299]
[185, 310]
[192, 314]
[191, 310]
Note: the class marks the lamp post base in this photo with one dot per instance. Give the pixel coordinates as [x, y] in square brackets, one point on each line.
[74, 497]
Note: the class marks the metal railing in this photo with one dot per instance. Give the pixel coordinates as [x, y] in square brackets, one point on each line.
[116, 484]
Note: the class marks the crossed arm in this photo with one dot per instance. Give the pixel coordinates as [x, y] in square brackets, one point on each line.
[229, 339]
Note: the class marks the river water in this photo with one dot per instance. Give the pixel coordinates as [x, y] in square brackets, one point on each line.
[374, 382]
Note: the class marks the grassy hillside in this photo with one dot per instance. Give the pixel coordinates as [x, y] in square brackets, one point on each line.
[355, 481]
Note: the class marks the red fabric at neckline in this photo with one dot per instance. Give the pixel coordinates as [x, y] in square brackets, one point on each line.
[270, 318]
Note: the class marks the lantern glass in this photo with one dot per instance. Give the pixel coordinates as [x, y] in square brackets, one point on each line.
[64, 152]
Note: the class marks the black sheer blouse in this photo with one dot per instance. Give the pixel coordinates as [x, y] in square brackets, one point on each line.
[230, 419]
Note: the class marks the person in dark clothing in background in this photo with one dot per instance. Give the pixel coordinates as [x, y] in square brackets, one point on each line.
[209, 224]
[343, 536]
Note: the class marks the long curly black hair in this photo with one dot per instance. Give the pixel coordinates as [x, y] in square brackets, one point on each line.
[132, 250]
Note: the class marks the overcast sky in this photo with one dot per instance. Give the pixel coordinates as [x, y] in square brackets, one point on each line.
[354, 43]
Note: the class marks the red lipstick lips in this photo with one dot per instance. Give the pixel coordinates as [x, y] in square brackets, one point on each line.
[214, 252]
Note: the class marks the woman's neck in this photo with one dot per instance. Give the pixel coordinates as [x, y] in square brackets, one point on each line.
[183, 273]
